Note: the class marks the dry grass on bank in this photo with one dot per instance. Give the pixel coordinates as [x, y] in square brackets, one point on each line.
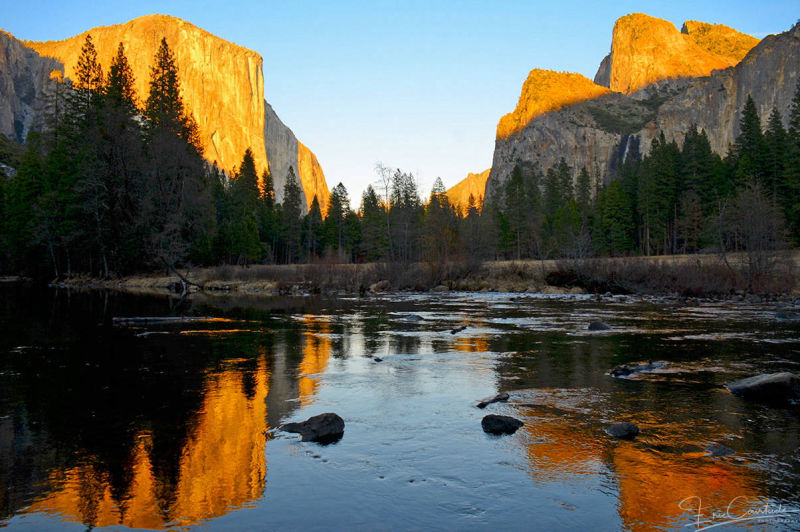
[687, 275]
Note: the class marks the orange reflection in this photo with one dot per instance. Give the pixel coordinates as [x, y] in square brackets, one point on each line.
[652, 486]
[651, 483]
[223, 467]
[472, 344]
[316, 352]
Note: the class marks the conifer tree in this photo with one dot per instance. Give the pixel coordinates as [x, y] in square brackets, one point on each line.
[119, 89]
[291, 211]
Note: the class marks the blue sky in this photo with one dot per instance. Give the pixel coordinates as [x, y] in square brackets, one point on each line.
[418, 85]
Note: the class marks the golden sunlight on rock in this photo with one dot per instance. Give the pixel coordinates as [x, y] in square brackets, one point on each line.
[316, 352]
[646, 49]
[545, 91]
[473, 184]
[720, 39]
[222, 83]
[311, 178]
[222, 467]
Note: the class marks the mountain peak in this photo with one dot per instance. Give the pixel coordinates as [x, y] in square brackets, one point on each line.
[545, 91]
[647, 49]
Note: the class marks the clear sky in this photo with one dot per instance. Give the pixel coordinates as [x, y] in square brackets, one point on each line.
[418, 85]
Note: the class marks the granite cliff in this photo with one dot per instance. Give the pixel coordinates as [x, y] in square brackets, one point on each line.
[601, 131]
[473, 184]
[222, 86]
[646, 49]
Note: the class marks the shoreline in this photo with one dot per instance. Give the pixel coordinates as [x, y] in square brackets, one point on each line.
[682, 276]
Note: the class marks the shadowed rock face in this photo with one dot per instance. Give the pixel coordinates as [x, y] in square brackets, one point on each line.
[27, 84]
[222, 87]
[598, 133]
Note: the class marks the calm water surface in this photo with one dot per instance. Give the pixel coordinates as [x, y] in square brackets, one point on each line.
[108, 423]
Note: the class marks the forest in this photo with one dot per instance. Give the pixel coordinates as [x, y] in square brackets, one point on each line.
[117, 184]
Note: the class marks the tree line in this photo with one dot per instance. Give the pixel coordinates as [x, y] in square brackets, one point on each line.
[117, 185]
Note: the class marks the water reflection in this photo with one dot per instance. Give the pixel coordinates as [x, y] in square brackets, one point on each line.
[165, 426]
[222, 466]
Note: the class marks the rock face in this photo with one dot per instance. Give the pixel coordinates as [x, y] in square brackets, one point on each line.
[284, 151]
[601, 132]
[222, 87]
[771, 388]
[545, 91]
[646, 49]
[324, 428]
[473, 184]
[28, 83]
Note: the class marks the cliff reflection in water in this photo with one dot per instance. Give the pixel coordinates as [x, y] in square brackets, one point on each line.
[222, 465]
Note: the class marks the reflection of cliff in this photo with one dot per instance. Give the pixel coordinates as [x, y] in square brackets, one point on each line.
[651, 483]
[222, 466]
[316, 352]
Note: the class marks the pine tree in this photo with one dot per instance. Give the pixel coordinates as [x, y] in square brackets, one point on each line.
[164, 107]
[374, 245]
[334, 230]
[791, 178]
[615, 224]
[291, 211]
[312, 231]
[119, 89]
[749, 147]
[583, 190]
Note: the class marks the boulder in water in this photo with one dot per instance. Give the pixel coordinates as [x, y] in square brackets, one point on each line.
[324, 428]
[494, 424]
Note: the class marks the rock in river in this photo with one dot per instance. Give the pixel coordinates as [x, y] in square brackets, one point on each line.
[719, 450]
[769, 388]
[494, 424]
[502, 396]
[623, 431]
[626, 370]
[324, 428]
[599, 326]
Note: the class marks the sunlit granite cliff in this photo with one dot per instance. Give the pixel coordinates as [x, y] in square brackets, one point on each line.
[222, 84]
[474, 185]
[665, 80]
[646, 49]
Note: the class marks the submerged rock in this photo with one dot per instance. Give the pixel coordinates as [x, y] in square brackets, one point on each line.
[494, 424]
[623, 431]
[777, 388]
[787, 316]
[625, 370]
[599, 326]
[502, 396]
[458, 329]
[324, 428]
[720, 450]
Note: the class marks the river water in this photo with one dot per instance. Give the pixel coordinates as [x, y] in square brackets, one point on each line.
[107, 422]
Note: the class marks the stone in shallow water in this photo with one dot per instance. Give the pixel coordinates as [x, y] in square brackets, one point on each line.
[502, 396]
[776, 388]
[324, 428]
[623, 431]
[494, 424]
[626, 370]
[720, 450]
[599, 326]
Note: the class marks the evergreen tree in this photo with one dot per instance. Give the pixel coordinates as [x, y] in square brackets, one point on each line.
[164, 107]
[334, 230]
[583, 190]
[749, 147]
[791, 177]
[312, 231]
[374, 245]
[291, 212]
[119, 89]
[615, 224]
[440, 226]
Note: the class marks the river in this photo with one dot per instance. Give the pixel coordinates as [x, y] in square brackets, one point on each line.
[173, 424]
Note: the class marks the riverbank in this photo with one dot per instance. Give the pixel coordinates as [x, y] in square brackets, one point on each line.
[678, 275]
